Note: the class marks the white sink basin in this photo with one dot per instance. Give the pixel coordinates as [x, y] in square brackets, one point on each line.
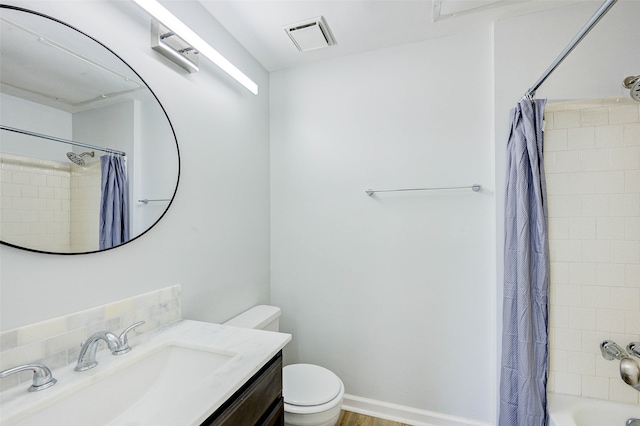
[179, 376]
[131, 391]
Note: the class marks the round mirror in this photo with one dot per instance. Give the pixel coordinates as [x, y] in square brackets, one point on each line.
[88, 156]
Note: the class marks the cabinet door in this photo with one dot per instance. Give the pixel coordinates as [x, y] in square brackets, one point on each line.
[258, 402]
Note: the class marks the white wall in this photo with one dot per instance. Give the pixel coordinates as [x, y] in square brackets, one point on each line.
[394, 293]
[214, 240]
[26, 115]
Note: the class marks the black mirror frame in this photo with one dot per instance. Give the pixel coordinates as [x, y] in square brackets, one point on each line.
[20, 9]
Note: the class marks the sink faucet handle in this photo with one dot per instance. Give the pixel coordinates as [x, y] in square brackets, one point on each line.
[124, 342]
[42, 377]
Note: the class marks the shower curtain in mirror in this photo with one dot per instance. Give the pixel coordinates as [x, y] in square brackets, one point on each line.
[114, 212]
[523, 379]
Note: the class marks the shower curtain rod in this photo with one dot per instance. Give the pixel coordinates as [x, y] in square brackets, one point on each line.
[55, 139]
[567, 50]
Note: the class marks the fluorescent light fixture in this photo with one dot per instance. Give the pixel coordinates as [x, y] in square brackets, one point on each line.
[167, 19]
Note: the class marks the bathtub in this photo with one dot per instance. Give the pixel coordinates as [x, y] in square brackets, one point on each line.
[565, 410]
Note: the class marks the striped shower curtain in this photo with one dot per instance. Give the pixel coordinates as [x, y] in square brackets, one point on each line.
[523, 379]
[114, 210]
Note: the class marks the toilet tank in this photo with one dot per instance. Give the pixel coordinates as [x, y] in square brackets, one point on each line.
[262, 317]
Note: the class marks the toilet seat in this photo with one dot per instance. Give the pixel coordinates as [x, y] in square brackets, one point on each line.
[310, 388]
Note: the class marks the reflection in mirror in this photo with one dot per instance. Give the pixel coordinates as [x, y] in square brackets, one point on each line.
[69, 104]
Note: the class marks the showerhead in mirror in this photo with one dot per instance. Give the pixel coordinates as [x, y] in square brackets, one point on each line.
[633, 84]
[77, 158]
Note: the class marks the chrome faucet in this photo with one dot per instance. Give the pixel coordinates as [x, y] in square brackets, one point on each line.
[633, 422]
[117, 346]
[42, 377]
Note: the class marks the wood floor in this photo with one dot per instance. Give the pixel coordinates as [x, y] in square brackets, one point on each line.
[347, 418]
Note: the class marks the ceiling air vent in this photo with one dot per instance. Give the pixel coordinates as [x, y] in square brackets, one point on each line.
[310, 34]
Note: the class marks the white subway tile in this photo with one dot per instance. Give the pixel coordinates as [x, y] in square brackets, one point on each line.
[609, 182]
[627, 158]
[609, 136]
[595, 160]
[547, 123]
[632, 275]
[591, 342]
[604, 368]
[582, 363]
[631, 135]
[610, 274]
[558, 183]
[551, 379]
[595, 297]
[632, 228]
[553, 106]
[568, 161]
[559, 229]
[582, 273]
[625, 205]
[596, 205]
[623, 114]
[625, 251]
[625, 298]
[557, 140]
[558, 360]
[621, 392]
[559, 272]
[581, 183]
[567, 339]
[610, 320]
[581, 138]
[581, 318]
[568, 251]
[624, 337]
[574, 205]
[594, 117]
[595, 387]
[558, 316]
[632, 181]
[582, 228]
[583, 104]
[610, 228]
[566, 119]
[568, 383]
[596, 251]
[632, 322]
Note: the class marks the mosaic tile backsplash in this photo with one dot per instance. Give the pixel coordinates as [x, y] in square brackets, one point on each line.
[56, 342]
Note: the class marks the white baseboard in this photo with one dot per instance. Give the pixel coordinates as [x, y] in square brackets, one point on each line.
[403, 414]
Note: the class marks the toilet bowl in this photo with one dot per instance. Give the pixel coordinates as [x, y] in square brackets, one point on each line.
[312, 394]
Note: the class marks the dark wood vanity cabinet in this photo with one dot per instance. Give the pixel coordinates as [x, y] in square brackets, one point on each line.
[257, 403]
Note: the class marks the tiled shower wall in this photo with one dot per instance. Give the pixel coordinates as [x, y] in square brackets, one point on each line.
[49, 205]
[85, 207]
[592, 165]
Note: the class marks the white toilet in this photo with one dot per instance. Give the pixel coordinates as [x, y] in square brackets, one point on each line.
[312, 394]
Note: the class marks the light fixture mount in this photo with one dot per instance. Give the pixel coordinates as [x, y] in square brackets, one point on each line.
[166, 42]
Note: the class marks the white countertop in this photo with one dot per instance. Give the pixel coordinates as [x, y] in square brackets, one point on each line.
[249, 350]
